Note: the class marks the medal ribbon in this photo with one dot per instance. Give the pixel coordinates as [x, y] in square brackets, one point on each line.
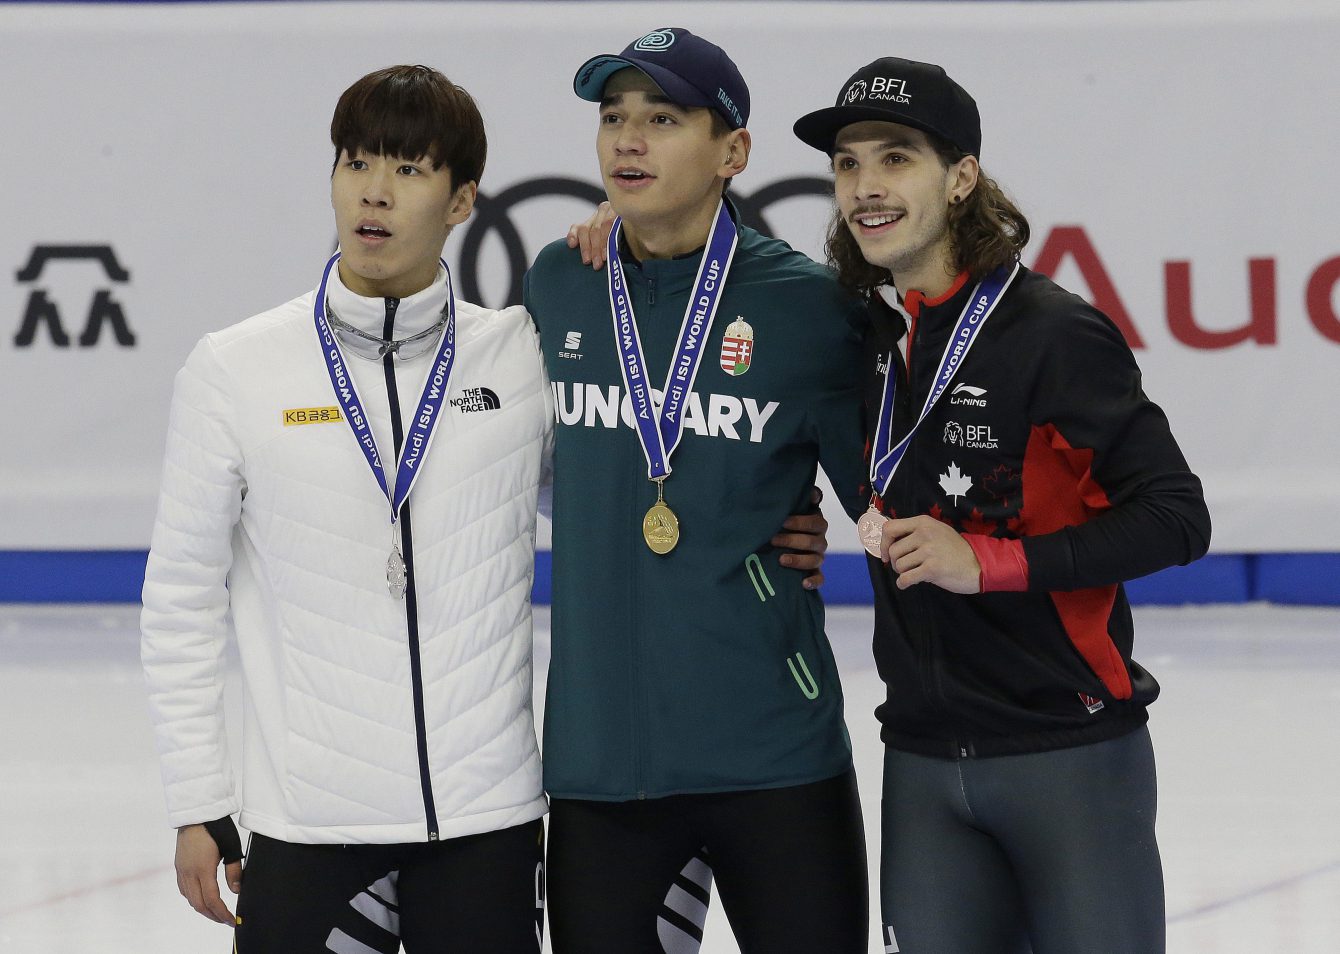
[981, 303]
[419, 436]
[659, 434]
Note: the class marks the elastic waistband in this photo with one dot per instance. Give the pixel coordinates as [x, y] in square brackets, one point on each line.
[985, 747]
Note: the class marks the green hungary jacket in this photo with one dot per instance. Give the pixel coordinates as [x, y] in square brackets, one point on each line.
[706, 669]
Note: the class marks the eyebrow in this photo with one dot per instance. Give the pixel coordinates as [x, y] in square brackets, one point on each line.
[656, 99]
[891, 142]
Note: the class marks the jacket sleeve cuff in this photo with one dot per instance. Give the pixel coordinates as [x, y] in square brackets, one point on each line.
[226, 837]
[1004, 566]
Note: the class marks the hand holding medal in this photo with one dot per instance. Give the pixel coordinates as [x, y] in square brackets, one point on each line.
[884, 455]
[870, 528]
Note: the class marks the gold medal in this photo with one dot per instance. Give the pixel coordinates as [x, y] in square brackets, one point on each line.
[660, 527]
[870, 528]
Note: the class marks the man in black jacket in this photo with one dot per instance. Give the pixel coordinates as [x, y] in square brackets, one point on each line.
[1019, 476]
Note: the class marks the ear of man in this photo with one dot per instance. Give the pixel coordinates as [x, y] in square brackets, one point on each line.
[961, 179]
[463, 203]
[738, 143]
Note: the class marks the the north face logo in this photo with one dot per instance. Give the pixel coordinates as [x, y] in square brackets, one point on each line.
[477, 399]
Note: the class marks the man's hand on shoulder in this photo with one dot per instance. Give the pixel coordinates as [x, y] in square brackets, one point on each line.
[592, 236]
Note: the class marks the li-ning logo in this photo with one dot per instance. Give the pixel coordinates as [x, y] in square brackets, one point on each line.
[967, 394]
[477, 399]
[656, 41]
[855, 91]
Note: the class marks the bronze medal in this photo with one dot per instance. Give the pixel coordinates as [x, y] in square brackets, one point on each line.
[870, 528]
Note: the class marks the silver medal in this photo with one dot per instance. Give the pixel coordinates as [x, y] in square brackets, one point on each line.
[395, 573]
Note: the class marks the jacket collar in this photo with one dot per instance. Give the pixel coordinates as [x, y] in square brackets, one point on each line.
[914, 301]
[414, 314]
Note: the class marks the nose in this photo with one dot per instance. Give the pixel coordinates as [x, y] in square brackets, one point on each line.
[869, 183]
[376, 188]
[629, 141]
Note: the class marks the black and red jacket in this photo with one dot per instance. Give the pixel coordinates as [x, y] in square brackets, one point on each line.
[1044, 438]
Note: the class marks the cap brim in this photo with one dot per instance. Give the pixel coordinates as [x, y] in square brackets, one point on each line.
[589, 82]
[820, 128]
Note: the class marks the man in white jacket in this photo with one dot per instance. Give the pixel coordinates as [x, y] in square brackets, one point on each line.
[391, 777]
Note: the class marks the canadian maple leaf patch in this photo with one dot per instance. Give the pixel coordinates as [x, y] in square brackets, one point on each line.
[955, 483]
[1001, 484]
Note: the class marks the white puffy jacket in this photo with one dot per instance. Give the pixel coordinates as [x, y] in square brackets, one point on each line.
[276, 531]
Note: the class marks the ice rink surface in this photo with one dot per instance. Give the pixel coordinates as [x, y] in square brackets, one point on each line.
[1246, 734]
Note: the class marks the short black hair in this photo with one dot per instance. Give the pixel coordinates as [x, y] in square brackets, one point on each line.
[412, 112]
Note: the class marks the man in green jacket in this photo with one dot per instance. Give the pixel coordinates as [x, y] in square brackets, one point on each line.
[694, 725]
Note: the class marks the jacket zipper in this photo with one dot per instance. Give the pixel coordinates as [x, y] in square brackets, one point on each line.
[638, 700]
[411, 595]
[933, 664]
[928, 657]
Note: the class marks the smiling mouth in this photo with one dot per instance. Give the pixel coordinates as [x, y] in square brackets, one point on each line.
[875, 220]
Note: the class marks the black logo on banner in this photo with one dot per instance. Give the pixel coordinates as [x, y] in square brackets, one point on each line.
[494, 213]
[41, 311]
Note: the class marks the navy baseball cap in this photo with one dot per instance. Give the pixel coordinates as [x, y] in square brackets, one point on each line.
[894, 90]
[687, 68]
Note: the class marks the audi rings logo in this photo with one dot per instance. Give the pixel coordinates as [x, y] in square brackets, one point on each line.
[854, 92]
[494, 214]
[655, 42]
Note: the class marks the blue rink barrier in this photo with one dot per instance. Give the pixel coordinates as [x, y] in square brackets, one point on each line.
[1301, 579]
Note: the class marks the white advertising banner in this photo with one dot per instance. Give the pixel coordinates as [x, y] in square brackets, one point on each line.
[166, 173]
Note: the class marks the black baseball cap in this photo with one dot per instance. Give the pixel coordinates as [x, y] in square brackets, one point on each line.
[687, 68]
[894, 90]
